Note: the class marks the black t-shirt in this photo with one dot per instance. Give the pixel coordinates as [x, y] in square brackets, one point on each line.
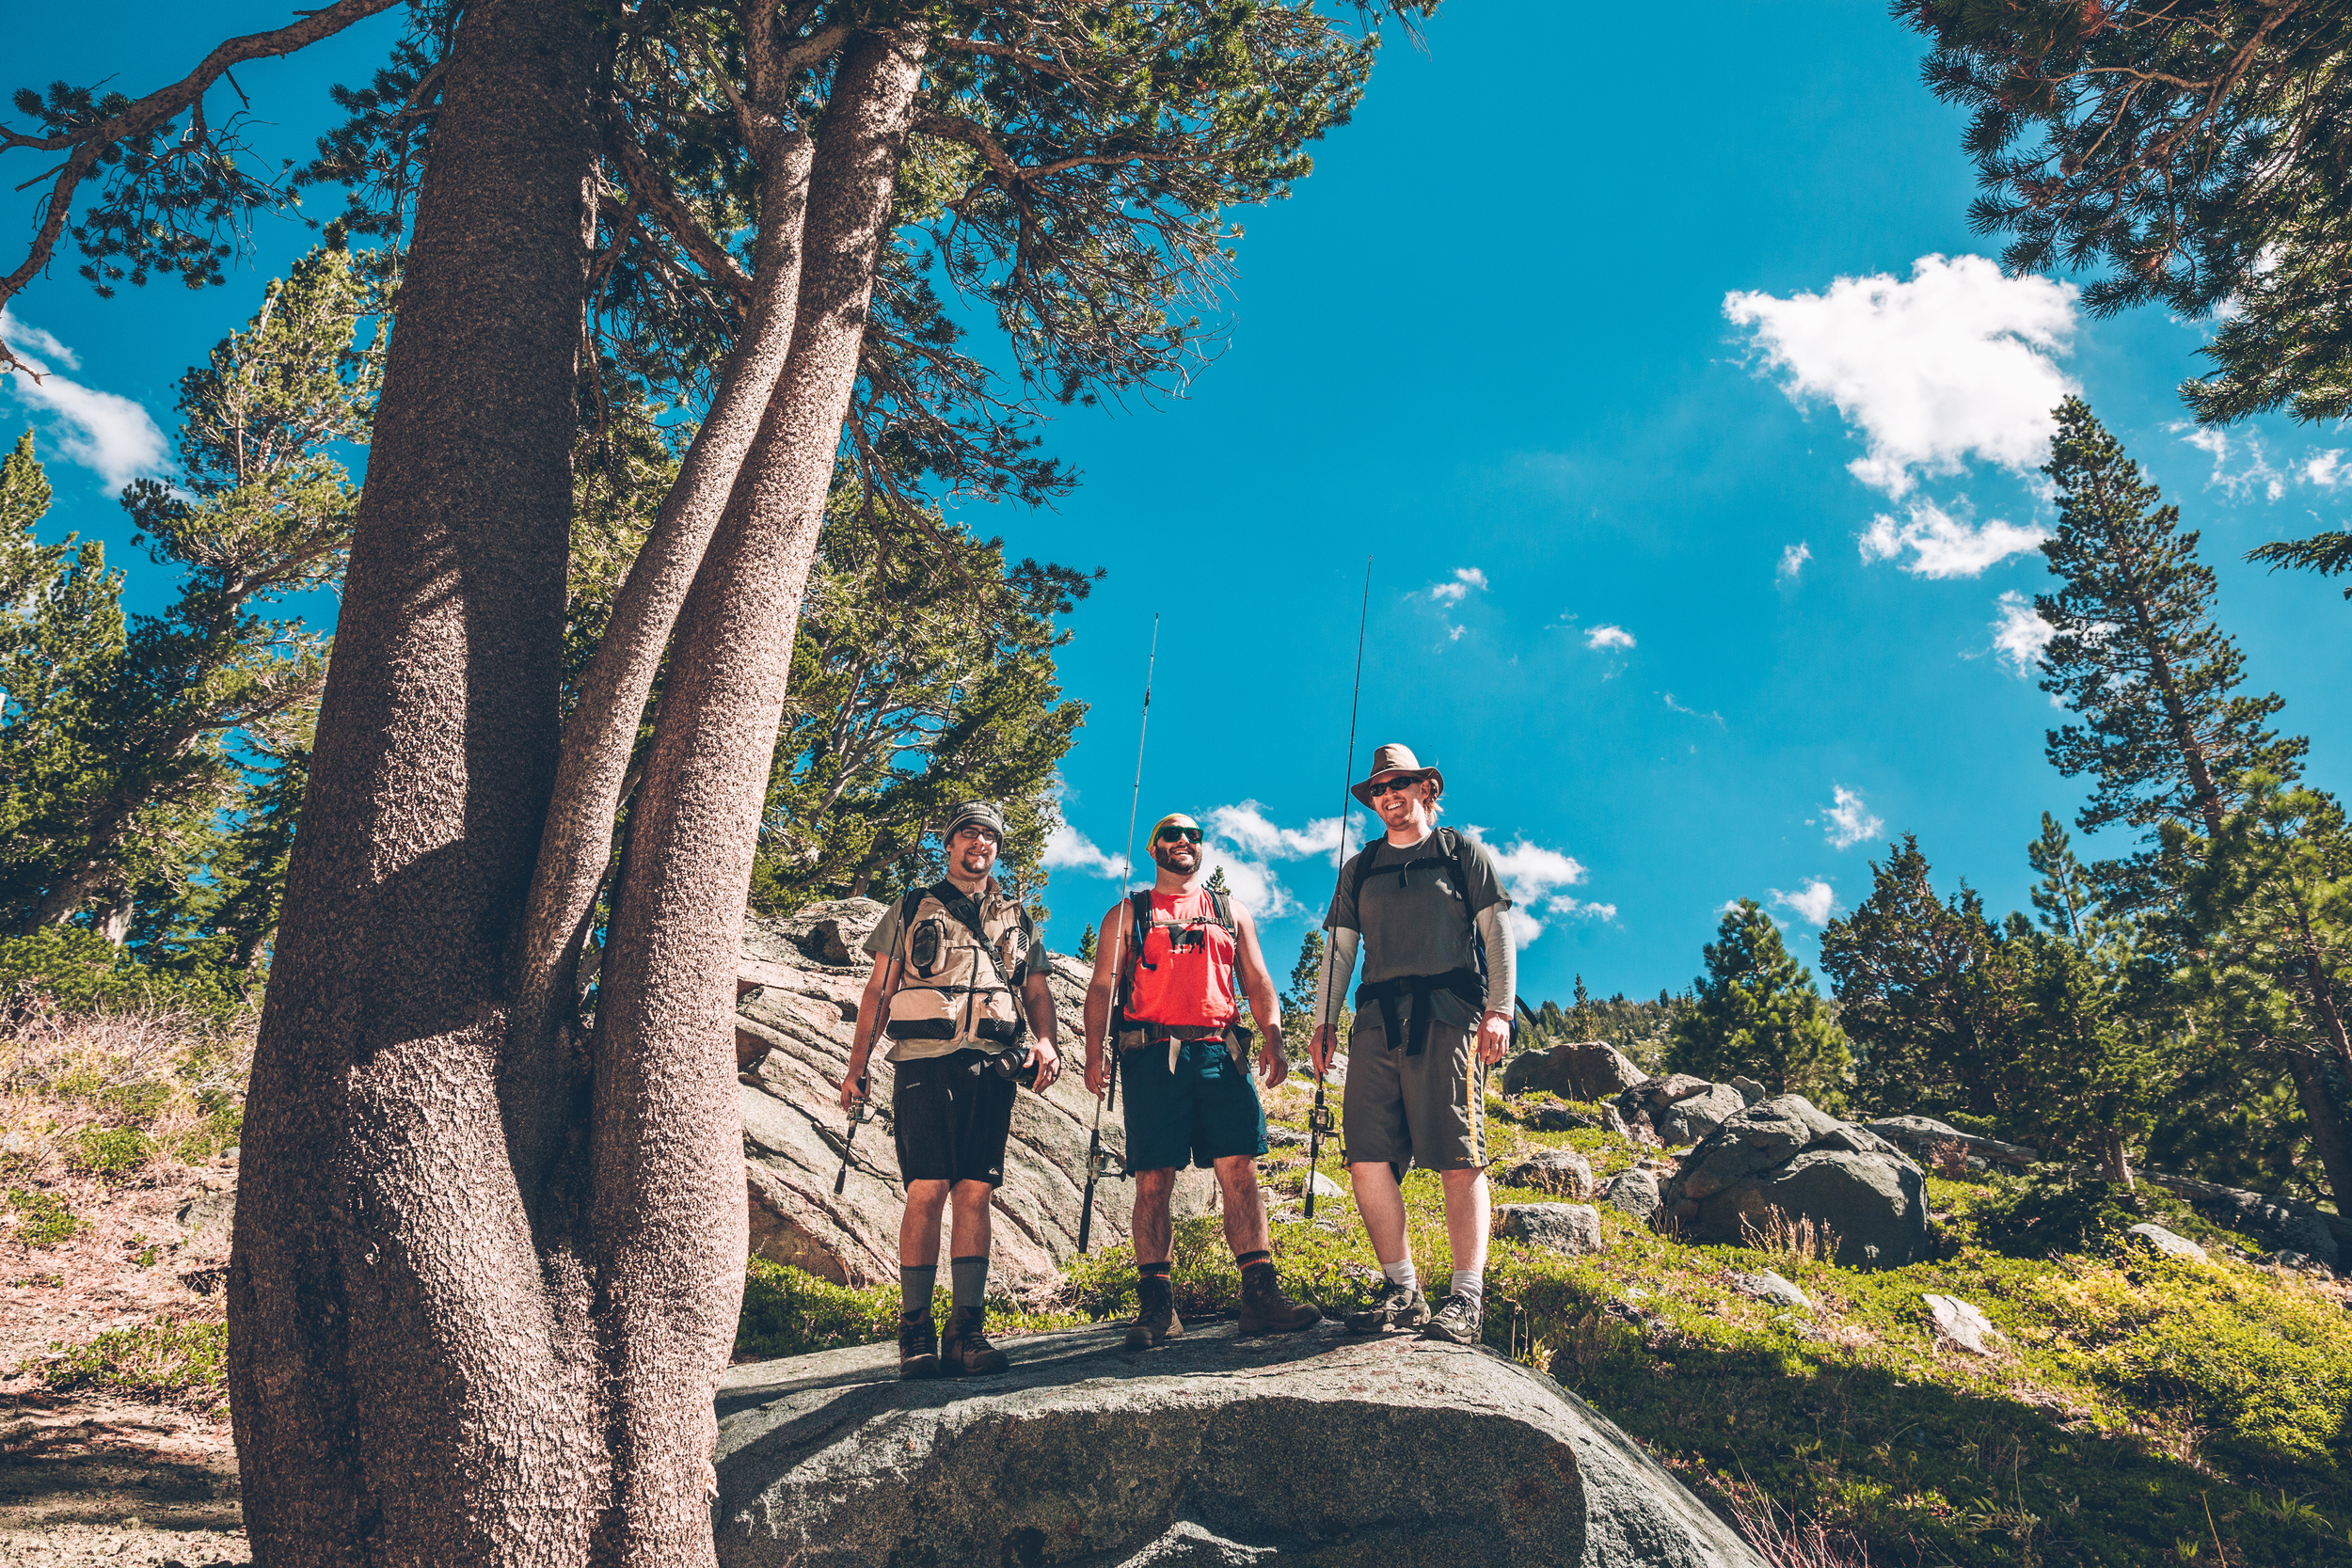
[1416, 921]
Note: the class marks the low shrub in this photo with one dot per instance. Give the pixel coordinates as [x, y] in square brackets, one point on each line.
[2046, 1213]
[789, 1311]
[169, 1361]
[110, 1153]
[42, 1219]
[78, 971]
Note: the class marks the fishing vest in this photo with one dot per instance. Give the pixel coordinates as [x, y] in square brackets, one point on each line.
[957, 984]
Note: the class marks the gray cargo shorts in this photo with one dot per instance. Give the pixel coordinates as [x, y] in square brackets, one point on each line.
[1428, 1110]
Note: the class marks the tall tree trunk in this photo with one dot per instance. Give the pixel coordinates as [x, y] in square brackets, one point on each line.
[601, 731]
[411, 1370]
[667, 1132]
[2329, 1137]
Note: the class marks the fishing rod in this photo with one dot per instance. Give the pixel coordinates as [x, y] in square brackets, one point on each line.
[1319, 1119]
[1098, 1163]
[861, 1113]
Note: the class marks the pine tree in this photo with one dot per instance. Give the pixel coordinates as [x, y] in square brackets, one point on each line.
[1216, 883]
[1925, 994]
[1086, 944]
[1759, 1014]
[2273, 900]
[2165, 731]
[2090, 1015]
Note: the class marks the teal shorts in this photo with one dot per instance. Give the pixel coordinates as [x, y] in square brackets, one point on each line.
[1205, 1111]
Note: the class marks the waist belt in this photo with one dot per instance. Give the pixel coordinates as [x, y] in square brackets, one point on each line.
[1463, 982]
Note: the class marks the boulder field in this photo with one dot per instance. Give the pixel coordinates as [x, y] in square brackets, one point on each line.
[1312, 1448]
[797, 988]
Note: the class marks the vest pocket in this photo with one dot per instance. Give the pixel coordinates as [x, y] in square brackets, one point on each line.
[920, 1029]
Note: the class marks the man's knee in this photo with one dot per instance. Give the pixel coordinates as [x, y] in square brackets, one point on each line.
[1153, 1186]
[973, 1194]
[1463, 1180]
[1236, 1171]
[928, 1197]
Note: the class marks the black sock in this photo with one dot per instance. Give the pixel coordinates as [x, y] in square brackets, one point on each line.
[1149, 1271]
[1245, 1261]
[970, 1278]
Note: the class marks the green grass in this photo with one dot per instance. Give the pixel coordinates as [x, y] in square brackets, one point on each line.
[2132, 1394]
[110, 1153]
[42, 1218]
[168, 1361]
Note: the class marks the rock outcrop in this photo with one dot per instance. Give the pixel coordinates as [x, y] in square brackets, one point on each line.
[1582, 1070]
[1553, 1170]
[1681, 1107]
[1312, 1448]
[1787, 1156]
[797, 987]
[1571, 1227]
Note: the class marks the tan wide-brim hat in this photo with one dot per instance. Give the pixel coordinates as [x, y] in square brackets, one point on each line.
[1394, 759]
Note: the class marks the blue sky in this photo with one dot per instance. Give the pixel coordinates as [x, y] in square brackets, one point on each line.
[1687, 430]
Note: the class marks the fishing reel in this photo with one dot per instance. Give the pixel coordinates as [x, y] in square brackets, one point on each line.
[1322, 1120]
[1103, 1163]
[863, 1111]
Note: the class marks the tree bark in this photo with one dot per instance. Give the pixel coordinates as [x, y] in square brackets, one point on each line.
[411, 1370]
[575, 850]
[2328, 1138]
[666, 1139]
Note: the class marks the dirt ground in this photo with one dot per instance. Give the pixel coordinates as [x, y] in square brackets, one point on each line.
[88, 1479]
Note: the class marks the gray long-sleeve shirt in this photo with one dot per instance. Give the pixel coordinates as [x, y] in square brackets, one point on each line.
[1501, 965]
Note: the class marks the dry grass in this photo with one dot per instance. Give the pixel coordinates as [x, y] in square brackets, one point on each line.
[109, 1123]
[1801, 1238]
[1948, 1159]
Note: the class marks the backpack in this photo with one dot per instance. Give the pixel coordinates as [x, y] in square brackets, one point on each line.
[1451, 857]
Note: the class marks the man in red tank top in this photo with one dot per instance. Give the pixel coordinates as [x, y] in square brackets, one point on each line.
[1169, 978]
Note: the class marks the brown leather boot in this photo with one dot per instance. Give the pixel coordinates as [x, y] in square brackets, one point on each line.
[965, 1352]
[1156, 1314]
[1264, 1309]
[918, 1345]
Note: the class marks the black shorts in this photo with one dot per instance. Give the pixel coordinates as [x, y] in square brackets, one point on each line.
[950, 1116]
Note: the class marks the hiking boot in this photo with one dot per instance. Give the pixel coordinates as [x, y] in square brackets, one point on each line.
[1400, 1309]
[918, 1345]
[965, 1352]
[1457, 1320]
[1264, 1309]
[1156, 1314]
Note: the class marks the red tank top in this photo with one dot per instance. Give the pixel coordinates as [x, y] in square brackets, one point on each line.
[1183, 967]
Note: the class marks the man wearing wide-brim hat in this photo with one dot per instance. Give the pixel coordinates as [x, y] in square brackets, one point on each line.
[1426, 906]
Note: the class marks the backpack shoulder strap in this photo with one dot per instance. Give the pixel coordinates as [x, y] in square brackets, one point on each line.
[1359, 867]
[1140, 922]
[1222, 908]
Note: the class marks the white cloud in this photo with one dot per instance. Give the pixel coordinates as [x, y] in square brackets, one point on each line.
[1848, 820]
[2254, 473]
[2021, 635]
[1958, 362]
[1715, 718]
[24, 336]
[112, 436]
[1247, 827]
[1792, 560]
[1813, 903]
[2325, 469]
[1608, 637]
[1943, 546]
[1535, 876]
[1465, 580]
[1067, 849]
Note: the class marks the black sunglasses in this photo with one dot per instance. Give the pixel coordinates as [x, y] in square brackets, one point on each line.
[1383, 787]
[1170, 835]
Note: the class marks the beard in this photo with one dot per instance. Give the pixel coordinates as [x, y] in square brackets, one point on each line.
[1164, 856]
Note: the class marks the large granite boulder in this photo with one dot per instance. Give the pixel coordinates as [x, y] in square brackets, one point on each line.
[798, 984]
[1553, 1170]
[1313, 1449]
[1581, 1069]
[1786, 1156]
[1693, 1117]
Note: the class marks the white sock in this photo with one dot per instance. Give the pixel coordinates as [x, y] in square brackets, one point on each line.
[1470, 1283]
[1401, 1273]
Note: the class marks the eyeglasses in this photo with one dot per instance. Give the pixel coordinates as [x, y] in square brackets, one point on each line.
[1382, 787]
[1170, 835]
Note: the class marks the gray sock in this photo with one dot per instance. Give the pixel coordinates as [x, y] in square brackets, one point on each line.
[970, 1275]
[1470, 1285]
[917, 1283]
